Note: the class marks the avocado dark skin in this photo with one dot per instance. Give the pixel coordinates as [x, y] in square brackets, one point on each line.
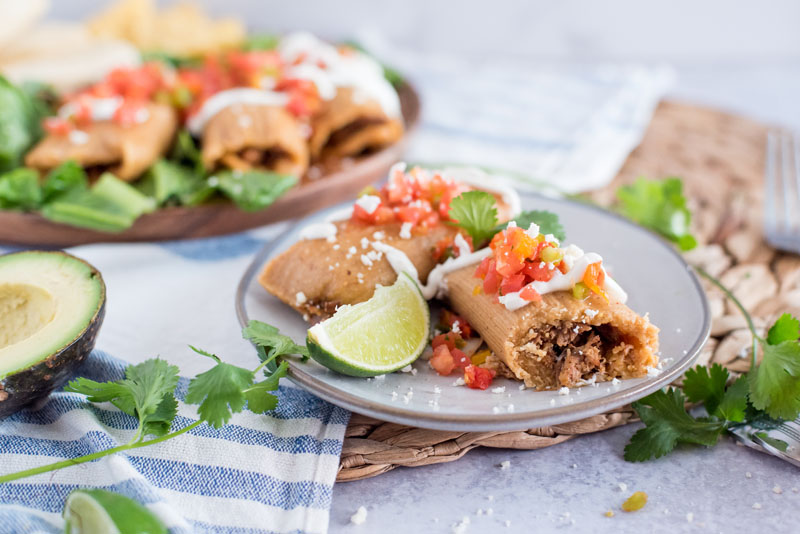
[39, 380]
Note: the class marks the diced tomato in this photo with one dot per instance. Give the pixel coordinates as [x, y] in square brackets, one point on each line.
[442, 361]
[397, 190]
[535, 271]
[383, 215]
[460, 359]
[128, 113]
[492, 280]
[57, 126]
[594, 277]
[512, 284]
[451, 339]
[483, 268]
[478, 377]
[508, 263]
[412, 214]
[298, 105]
[443, 249]
[450, 319]
[562, 266]
[530, 294]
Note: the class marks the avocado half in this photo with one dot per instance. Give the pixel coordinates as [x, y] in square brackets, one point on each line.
[51, 307]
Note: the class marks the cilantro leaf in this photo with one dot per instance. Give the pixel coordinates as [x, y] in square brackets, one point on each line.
[475, 212]
[660, 206]
[733, 406]
[775, 382]
[146, 392]
[219, 391]
[259, 398]
[786, 328]
[547, 222]
[705, 385]
[270, 338]
[668, 423]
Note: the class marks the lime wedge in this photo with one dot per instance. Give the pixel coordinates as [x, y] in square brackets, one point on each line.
[381, 335]
[105, 512]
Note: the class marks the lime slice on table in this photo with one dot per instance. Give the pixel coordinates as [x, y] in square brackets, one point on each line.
[105, 512]
[381, 335]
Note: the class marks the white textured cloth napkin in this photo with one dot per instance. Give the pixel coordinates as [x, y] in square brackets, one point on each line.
[568, 126]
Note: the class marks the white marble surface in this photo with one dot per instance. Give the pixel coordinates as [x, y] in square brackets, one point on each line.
[570, 486]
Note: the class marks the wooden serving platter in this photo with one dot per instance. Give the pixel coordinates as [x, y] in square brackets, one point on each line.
[218, 218]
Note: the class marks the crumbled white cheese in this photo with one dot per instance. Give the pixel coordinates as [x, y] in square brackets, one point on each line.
[522, 387]
[437, 390]
[378, 235]
[369, 203]
[510, 408]
[507, 523]
[366, 261]
[78, 137]
[533, 230]
[563, 391]
[490, 497]
[777, 490]
[501, 389]
[653, 371]
[364, 242]
[406, 369]
[459, 382]
[461, 527]
[394, 395]
[689, 517]
[550, 238]
[748, 474]
[489, 511]
[505, 464]
[300, 298]
[590, 313]
[405, 230]
[359, 517]
[495, 409]
[623, 486]
[756, 506]
[456, 327]
[552, 402]
[352, 250]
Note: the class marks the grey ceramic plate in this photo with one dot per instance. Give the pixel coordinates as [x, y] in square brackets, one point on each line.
[656, 278]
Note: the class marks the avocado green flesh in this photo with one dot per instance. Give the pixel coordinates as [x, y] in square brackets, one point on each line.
[47, 299]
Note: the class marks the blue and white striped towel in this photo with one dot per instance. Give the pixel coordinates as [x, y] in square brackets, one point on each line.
[275, 473]
[259, 474]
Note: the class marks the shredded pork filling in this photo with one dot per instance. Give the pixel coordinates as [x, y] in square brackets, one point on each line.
[566, 353]
[338, 136]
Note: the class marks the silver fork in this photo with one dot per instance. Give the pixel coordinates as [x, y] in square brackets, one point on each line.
[782, 441]
[782, 199]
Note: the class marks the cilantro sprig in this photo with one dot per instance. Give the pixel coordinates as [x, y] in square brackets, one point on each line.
[762, 398]
[476, 213]
[148, 393]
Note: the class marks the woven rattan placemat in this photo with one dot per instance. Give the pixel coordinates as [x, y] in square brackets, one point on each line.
[721, 159]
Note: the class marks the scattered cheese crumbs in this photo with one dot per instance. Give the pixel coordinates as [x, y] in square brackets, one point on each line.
[510, 408]
[368, 262]
[300, 298]
[359, 517]
[507, 523]
[756, 506]
[352, 250]
[456, 328]
[653, 371]
[394, 395]
[533, 230]
[459, 382]
[461, 527]
[552, 402]
[489, 511]
[689, 517]
[550, 238]
[378, 235]
[522, 387]
[405, 230]
[777, 490]
[610, 513]
[364, 242]
[505, 464]
[380, 377]
[407, 397]
[437, 390]
[501, 389]
[406, 369]
[337, 246]
[590, 313]
[491, 498]
[369, 203]
[479, 511]
[563, 391]
[748, 475]
[574, 466]
[495, 409]
[623, 486]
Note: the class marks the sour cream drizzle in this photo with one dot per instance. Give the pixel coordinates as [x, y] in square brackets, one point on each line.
[230, 97]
